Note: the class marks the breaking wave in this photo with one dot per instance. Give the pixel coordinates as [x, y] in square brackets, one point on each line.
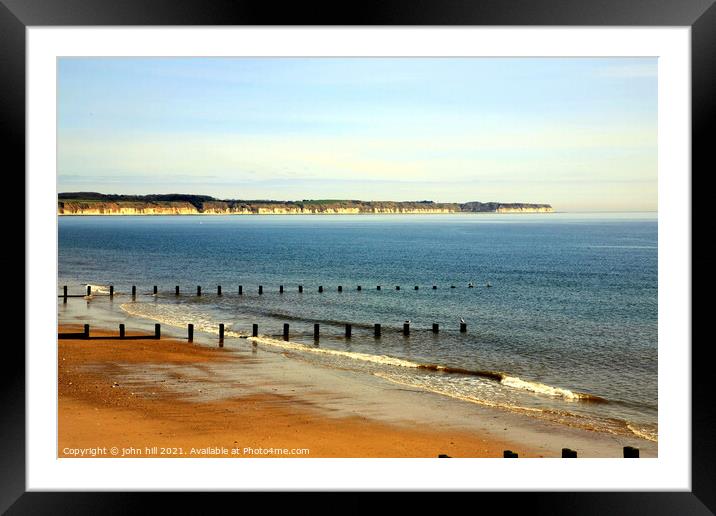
[177, 315]
[98, 289]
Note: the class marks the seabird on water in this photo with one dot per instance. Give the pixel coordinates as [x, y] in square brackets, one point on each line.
[462, 320]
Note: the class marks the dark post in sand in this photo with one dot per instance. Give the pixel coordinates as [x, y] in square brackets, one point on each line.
[631, 452]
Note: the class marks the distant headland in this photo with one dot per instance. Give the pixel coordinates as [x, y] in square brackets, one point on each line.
[93, 203]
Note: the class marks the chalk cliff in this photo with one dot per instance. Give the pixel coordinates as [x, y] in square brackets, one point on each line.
[90, 203]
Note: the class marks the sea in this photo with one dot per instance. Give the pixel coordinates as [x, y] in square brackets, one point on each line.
[560, 309]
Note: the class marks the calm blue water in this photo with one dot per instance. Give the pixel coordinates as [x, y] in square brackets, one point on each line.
[572, 306]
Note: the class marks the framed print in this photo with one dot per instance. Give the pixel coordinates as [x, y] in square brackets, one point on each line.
[326, 254]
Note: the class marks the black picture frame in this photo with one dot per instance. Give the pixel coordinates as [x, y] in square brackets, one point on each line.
[700, 15]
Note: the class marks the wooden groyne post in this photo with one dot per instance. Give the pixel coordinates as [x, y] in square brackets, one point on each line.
[121, 331]
[190, 332]
[157, 331]
[463, 327]
[111, 291]
[218, 290]
[241, 290]
[376, 330]
[221, 335]
[406, 328]
[261, 289]
[378, 287]
[320, 288]
[155, 290]
[340, 288]
[198, 290]
[254, 330]
[568, 454]
[300, 289]
[134, 291]
[631, 453]
[280, 289]
[316, 331]
[89, 290]
[349, 331]
[359, 288]
[435, 287]
[176, 290]
[285, 331]
[86, 331]
[397, 287]
[416, 287]
[436, 327]
[64, 294]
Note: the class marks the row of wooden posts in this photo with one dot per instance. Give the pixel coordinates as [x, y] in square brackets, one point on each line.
[377, 331]
[123, 333]
[65, 295]
[629, 453]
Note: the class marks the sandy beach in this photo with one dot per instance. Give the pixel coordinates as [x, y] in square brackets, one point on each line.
[143, 397]
[100, 407]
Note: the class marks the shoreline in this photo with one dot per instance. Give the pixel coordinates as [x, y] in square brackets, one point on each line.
[176, 389]
[201, 214]
[101, 405]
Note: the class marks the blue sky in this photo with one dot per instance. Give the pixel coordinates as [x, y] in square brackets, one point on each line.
[580, 134]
